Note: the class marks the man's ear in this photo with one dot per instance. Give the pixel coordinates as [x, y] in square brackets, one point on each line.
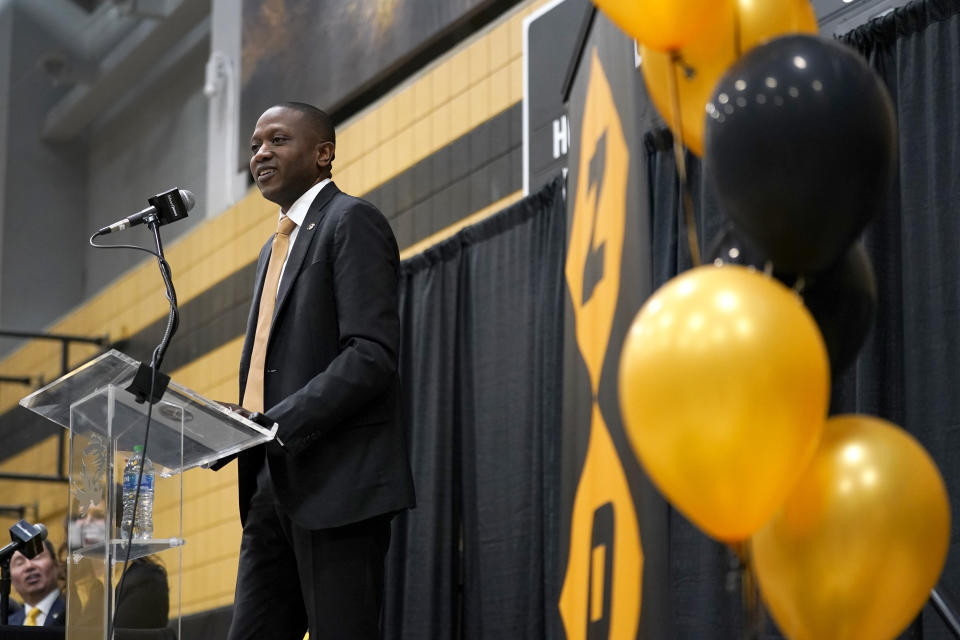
[326, 152]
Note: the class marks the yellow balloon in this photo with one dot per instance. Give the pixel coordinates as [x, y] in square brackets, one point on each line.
[724, 382]
[663, 25]
[704, 61]
[860, 542]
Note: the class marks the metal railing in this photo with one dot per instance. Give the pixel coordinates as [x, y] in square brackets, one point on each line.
[65, 341]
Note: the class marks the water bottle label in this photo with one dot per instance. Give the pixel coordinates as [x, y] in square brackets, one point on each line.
[130, 481]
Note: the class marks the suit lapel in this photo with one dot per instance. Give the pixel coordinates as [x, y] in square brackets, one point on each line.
[55, 617]
[302, 244]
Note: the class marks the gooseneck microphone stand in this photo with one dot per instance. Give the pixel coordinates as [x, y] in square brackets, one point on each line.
[947, 613]
[148, 384]
[4, 587]
[173, 318]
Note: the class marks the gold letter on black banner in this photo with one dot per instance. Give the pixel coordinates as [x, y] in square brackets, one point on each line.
[603, 585]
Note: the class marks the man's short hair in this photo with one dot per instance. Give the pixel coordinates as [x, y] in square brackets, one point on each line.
[320, 121]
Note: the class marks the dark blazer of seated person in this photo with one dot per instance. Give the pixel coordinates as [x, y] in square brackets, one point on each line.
[56, 617]
[144, 602]
[13, 606]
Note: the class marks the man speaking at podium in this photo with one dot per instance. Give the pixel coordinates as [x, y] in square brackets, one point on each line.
[320, 359]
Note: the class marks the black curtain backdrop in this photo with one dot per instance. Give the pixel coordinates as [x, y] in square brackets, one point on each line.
[907, 371]
[482, 317]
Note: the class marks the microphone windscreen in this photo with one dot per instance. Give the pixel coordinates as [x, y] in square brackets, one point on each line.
[188, 199]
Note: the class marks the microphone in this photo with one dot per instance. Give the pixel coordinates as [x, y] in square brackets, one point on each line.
[26, 538]
[164, 208]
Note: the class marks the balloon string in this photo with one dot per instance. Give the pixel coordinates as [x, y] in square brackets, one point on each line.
[680, 158]
[800, 284]
[749, 595]
[737, 37]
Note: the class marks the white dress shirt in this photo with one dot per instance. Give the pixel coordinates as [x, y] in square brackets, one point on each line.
[297, 212]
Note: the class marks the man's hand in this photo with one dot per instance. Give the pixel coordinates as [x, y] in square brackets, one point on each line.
[252, 416]
[246, 413]
[261, 419]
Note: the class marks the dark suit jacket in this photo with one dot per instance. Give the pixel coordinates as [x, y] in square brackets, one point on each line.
[330, 379]
[56, 617]
[145, 601]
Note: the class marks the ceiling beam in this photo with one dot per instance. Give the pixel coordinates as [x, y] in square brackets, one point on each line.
[120, 69]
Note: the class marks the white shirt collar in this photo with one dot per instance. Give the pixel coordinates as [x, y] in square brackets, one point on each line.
[298, 210]
[44, 605]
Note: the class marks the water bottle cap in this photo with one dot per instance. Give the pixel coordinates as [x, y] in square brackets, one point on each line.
[137, 448]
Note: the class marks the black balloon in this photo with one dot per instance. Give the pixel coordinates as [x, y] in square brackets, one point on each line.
[843, 299]
[800, 143]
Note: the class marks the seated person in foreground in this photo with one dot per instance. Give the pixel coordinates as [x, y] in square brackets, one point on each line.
[35, 581]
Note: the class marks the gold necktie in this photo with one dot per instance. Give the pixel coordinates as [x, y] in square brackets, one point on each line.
[253, 394]
[31, 620]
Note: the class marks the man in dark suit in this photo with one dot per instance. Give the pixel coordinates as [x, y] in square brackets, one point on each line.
[320, 359]
[35, 580]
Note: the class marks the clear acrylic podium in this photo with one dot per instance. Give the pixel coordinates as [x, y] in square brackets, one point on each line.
[105, 421]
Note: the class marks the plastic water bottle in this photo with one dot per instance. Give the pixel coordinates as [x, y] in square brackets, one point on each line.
[143, 524]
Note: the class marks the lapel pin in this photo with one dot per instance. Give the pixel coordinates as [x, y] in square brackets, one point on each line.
[311, 226]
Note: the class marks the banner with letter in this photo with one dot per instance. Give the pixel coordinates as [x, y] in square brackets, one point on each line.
[614, 560]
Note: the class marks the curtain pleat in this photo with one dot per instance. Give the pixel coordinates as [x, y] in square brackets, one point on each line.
[482, 320]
